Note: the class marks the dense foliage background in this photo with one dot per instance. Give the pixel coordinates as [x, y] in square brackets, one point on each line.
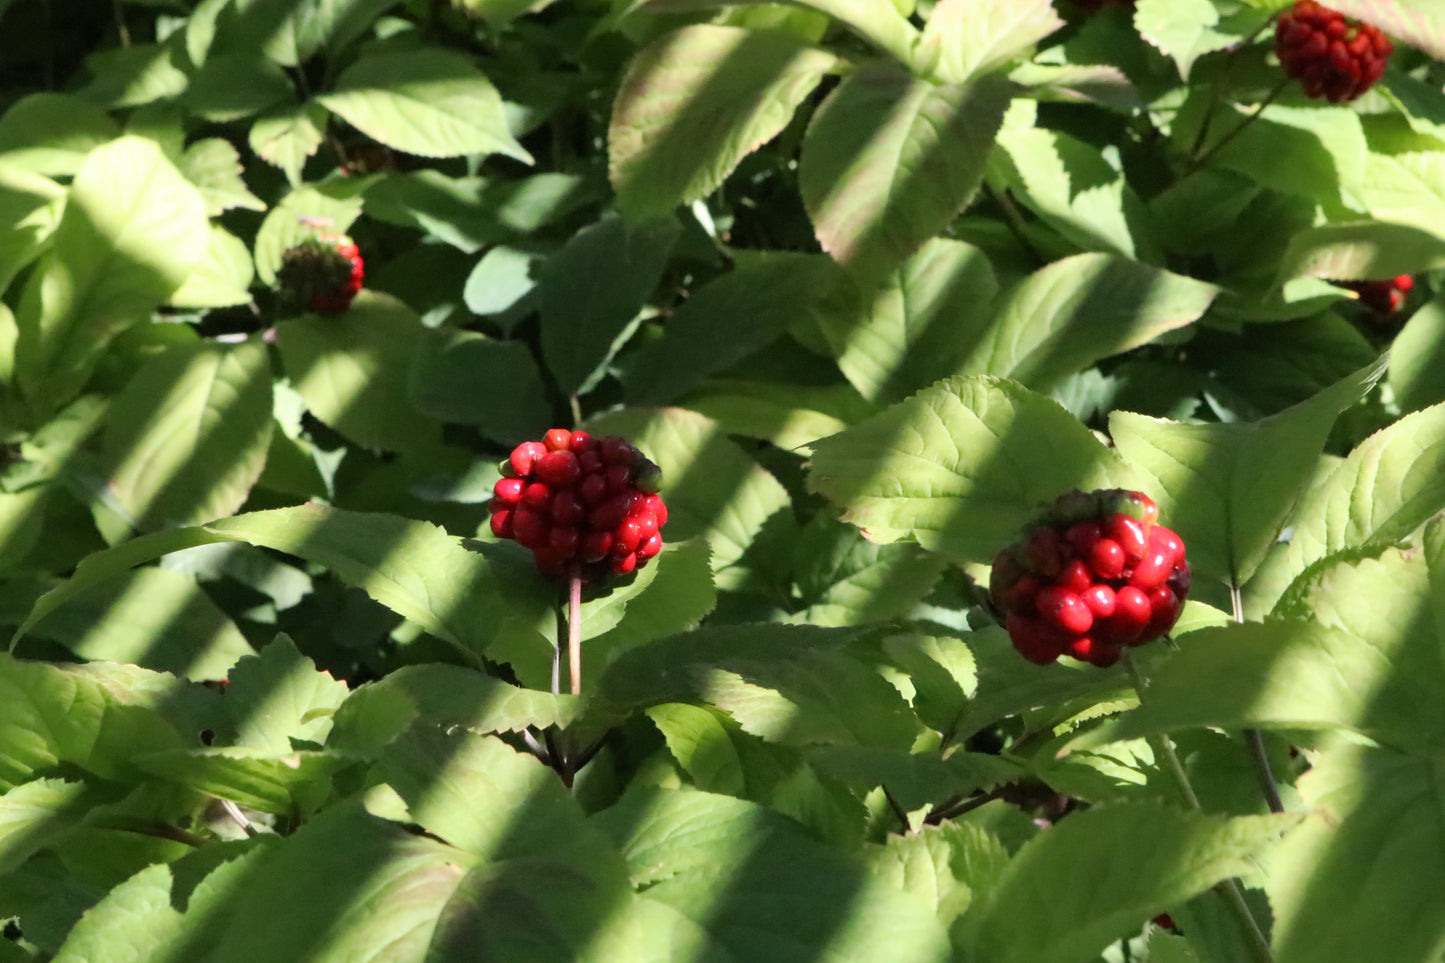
[870, 280]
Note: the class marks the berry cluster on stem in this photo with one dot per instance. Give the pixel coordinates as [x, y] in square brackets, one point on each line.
[322, 274]
[582, 505]
[1092, 574]
[1331, 55]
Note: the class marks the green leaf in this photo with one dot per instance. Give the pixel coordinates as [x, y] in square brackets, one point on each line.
[1407, 187]
[342, 886]
[132, 231]
[467, 377]
[592, 289]
[287, 135]
[279, 782]
[727, 319]
[680, 594]
[301, 216]
[213, 165]
[1362, 249]
[889, 161]
[782, 896]
[711, 487]
[1417, 358]
[135, 75]
[959, 466]
[1319, 154]
[186, 439]
[792, 417]
[223, 277]
[788, 684]
[434, 103]
[446, 696]
[845, 580]
[279, 697]
[232, 86]
[39, 812]
[151, 617]
[1350, 652]
[1227, 489]
[965, 37]
[915, 780]
[941, 866]
[96, 716]
[52, 134]
[1074, 312]
[1182, 29]
[881, 24]
[1390, 485]
[30, 209]
[1418, 23]
[164, 911]
[694, 103]
[1101, 871]
[918, 326]
[1072, 187]
[503, 282]
[1360, 875]
[352, 369]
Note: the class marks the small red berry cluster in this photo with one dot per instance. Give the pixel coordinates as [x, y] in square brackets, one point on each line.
[322, 275]
[1332, 56]
[581, 504]
[1383, 296]
[1094, 572]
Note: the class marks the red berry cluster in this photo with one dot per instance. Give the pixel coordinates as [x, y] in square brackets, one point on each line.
[322, 274]
[1383, 296]
[581, 504]
[1332, 56]
[1092, 574]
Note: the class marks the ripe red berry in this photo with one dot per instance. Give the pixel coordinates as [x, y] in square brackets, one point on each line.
[502, 522]
[1332, 56]
[529, 527]
[508, 491]
[321, 274]
[557, 439]
[1075, 576]
[1064, 609]
[1100, 600]
[559, 469]
[525, 456]
[1132, 612]
[1107, 559]
[1035, 640]
[616, 451]
[595, 546]
[1383, 297]
[567, 508]
[650, 548]
[1129, 534]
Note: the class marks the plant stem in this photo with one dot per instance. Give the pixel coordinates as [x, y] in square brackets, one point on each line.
[574, 630]
[1229, 889]
[1200, 161]
[1253, 738]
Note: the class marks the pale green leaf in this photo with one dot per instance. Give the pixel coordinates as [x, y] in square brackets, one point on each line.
[882, 24]
[1417, 358]
[786, 895]
[1183, 30]
[959, 466]
[232, 86]
[1359, 878]
[134, 75]
[30, 210]
[1362, 249]
[888, 161]
[151, 617]
[223, 277]
[446, 696]
[467, 377]
[186, 439]
[791, 417]
[967, 37]
[344, 888]
[1074, 312]
[434, 103]
[1317, 153]
[132, 231]
[280, 782]
[695, 102]
[353, 371]
[35, 814]
[944, 866]
[917, 327]
[287, 135]
[1390, 485]
[1407, 188]
[1101, 872]
[711, 487]
[1227, 489]
[279, 697]
[52, 134]
[213, 165]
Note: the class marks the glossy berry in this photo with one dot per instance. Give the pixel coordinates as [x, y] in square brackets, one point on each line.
[321, 275]
[1091, 574]
[582, 505]
[1332, 56]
